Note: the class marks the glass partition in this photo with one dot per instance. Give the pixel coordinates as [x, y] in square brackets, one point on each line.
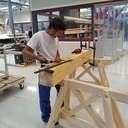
[111, 22]
[112, 32]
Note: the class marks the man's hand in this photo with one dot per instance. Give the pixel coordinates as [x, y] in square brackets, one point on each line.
[40, 58]
[58, 59]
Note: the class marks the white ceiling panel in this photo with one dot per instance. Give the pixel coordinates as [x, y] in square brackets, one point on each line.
[47, 4]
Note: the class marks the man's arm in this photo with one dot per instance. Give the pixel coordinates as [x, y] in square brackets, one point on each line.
[27, 52]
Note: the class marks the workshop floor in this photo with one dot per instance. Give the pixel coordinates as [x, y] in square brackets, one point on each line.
[20, 108]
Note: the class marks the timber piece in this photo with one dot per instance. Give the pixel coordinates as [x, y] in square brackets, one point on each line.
[108, 109]
[97, 60]
[116, 113]
[90, 88]
[61, 71]
[57, 107]
[114, 94]
[67, 97]
[88, 70]
[79, 122]
[92, 112]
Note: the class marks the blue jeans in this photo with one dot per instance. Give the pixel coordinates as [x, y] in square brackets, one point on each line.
[44, 98]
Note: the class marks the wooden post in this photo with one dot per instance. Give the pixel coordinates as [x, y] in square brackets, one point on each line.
[57, 106]
[108, 109]
[104, 82]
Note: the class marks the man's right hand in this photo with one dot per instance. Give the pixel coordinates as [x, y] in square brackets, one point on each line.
[41, 58]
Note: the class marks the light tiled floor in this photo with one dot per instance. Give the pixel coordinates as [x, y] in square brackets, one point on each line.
[20, 108]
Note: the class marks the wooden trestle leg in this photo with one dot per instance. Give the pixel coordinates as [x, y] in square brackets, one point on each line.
[104, 82]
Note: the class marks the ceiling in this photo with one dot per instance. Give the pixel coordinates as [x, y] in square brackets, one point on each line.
[17, 5]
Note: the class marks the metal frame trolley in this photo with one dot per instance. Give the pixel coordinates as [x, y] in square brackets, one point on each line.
[6, 79]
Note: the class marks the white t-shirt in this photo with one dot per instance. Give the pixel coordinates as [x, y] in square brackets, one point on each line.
[44, 44]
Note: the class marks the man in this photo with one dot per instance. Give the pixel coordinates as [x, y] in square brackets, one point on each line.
[30, 32]
[46, 45]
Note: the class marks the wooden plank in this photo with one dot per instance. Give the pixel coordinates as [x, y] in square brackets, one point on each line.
[92, 112]
[88, 70]
[92, 99]
[74, 110]
[116, 113]
[98, 90]
[57, 107]
[105, 61]
[67, 97]
[103, 76]
[108, 109]
[81, 123]
[61, 71]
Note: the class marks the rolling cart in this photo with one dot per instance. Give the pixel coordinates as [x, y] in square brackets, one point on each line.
[6, 79]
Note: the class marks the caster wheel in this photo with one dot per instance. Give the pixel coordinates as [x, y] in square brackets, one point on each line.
[21, 86]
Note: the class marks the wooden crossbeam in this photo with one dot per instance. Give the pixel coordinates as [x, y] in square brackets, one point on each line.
[98, 121]
[105, 61]
[104, 92]
[81, 123]
[88, 70]
[98, 90]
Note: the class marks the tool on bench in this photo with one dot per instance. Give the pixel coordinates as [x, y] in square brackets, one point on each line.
[87, 45]
[77, 51]
[4, 78]
[44, 63]
[47, 69]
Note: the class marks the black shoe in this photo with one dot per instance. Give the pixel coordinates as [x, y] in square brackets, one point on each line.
[47, 122]
[57, 123]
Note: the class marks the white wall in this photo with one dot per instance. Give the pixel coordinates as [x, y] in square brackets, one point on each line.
[21, 16]
[46, 4]
[24, 16]
[66, 47]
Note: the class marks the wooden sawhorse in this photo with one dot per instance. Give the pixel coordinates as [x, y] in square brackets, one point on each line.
[99, 88]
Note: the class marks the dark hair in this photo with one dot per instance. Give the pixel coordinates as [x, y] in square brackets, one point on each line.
[57, 24]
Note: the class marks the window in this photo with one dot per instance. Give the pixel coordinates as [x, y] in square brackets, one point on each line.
[78, 22]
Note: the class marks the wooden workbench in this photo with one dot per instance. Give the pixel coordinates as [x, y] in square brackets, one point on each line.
[62, 71]
[97, 88]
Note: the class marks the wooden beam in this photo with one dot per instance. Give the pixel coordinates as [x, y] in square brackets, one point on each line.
[61, 71]
[116, 113]
[88, 69]
[57, 107]
[92, 112]
[97, 60]
[81, 123]
[90, 88]
[108, 109]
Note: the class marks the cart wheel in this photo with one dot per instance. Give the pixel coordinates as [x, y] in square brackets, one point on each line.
[21, 86]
